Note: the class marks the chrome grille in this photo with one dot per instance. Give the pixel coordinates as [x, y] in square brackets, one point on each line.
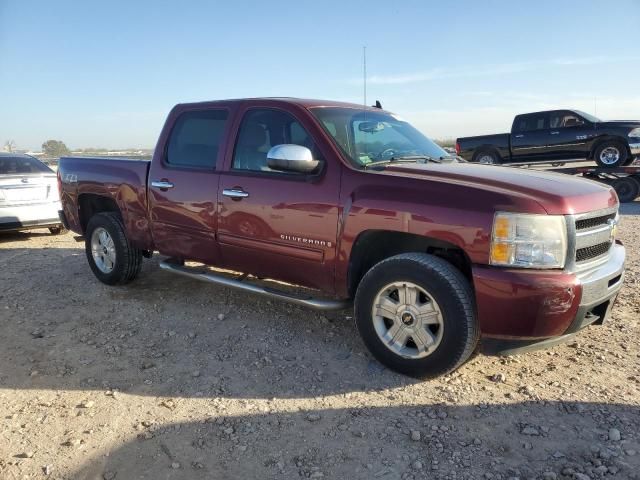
[587, 253]
[593, 237]
[587, 223]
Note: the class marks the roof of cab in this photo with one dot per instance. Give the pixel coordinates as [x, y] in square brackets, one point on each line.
[15, 155]
[303, 102]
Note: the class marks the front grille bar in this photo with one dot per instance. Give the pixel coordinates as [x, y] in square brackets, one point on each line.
[592, 252]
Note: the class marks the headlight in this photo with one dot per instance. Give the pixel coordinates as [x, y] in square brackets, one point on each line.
[529, 241]
[635, 133]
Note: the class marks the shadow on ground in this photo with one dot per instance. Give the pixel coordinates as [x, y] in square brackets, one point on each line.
[8, 237]
[521, 440]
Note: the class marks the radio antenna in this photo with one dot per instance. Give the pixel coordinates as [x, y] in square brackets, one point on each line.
[364, 78]
[364, 74]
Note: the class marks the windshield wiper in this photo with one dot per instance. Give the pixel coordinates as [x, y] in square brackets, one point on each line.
[404, 159]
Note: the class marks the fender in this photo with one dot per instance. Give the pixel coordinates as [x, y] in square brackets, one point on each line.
[606, 137]
[369, 208]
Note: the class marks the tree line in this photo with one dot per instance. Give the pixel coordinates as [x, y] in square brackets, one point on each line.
[50, 148]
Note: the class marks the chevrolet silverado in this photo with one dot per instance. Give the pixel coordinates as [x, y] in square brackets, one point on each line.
[354, 206]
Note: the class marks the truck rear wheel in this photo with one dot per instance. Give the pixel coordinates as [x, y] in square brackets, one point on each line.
[627, 189]
[416, 315]
[112, 258]
[611, 154]
[487, 157]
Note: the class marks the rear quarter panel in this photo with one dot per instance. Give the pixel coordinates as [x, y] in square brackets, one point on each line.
[121, 180]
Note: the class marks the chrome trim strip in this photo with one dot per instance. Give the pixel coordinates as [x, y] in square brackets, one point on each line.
[18, 186]
[635, 148]
[591, 238]
[596, 213]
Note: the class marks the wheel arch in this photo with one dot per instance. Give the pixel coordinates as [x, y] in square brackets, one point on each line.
[605, 139]
[373, 246]
[90, 204]
[486, 149]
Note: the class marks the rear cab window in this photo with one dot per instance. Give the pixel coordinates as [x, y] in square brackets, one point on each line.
[196, 138]
[22, 166]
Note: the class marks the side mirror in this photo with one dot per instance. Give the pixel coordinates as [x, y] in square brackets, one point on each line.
[291, 158]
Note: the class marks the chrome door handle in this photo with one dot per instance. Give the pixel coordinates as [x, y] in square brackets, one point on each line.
[519, 136]
[555, 133]
[161, 184]
[235, 193]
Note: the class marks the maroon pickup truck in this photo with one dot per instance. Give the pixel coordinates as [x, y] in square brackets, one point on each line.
[356, 206]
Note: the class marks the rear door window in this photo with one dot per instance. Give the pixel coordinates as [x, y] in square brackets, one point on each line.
[196, 138]
[531, 123]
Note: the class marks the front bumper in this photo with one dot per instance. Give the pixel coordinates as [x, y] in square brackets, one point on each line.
[24, 217]
[635, 149]
[524, 308]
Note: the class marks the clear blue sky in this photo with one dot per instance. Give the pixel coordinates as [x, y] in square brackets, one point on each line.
[104, 74]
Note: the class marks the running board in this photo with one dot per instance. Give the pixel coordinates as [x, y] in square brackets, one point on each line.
[310, 302]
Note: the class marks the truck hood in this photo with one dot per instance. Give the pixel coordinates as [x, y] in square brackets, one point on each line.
[557, 193]
[620, 123]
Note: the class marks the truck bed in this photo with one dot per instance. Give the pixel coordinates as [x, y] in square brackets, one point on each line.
[498, 142]
[122, 180]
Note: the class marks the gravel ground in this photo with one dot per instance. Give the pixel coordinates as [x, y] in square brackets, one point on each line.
[170, 378]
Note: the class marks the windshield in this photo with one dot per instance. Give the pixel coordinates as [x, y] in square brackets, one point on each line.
[366, 137]
[591, 118]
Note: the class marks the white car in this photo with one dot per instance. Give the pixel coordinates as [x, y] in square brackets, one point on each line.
[29, 195]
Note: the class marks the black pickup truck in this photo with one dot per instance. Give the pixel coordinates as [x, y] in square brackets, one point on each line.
[557, 135]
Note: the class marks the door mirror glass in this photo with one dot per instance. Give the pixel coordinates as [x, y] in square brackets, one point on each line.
[291, 158]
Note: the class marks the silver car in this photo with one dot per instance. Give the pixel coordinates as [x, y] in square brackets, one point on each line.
[29, 195]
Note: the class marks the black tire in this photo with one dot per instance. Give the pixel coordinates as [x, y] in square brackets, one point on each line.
[128, 259]
[627, 189]
[487, 157]
[452, 294]
[57, 230]
[617, 150]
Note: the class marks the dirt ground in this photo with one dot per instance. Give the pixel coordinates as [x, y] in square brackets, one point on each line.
[168, 378]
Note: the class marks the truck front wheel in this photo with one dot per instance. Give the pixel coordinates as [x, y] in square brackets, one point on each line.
[112, 258]
[611, 154]
[416, 314]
